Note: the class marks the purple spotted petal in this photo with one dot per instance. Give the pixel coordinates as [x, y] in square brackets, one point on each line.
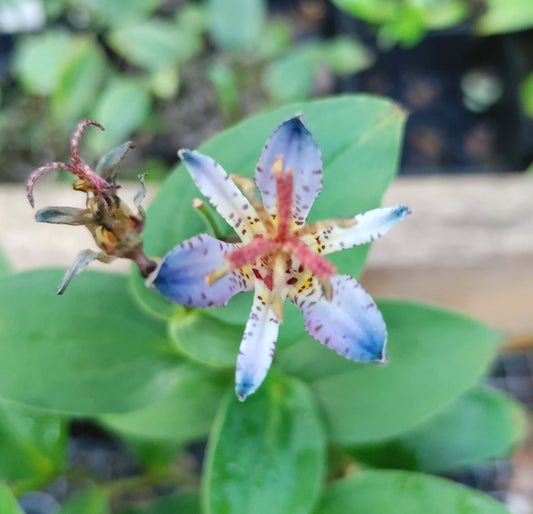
[218, 188]
[301, 154]
[258, 344]
[181, 275]
[370, 225]
[350, 324]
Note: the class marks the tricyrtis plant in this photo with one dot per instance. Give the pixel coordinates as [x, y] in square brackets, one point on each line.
[280, 256]
[160, 375]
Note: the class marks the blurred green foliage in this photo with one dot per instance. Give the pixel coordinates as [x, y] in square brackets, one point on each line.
[123, 62]
[408, 21]
[502, 16]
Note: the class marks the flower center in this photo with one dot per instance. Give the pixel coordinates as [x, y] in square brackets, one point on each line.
[273, 253]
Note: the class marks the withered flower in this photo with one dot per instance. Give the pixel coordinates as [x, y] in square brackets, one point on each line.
[115, 228]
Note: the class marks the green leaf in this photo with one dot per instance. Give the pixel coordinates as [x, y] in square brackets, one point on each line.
[40, 59]
[92, 501]
[291, 77]
[153, 454]
[213, 342]
[79, 81]
[372, 11]
[434, 357]
[445, 13]
[122, 107]
[186, 414]
[484, 423]
[206, 339]
[165, 82]
[275, 39]
[192, 17]
[346, 55]
[359, 137]
[175, 504]
[118, 12]
[91, 351]
[393, 492]
[32, 443]
[224, 80]
[236, 24]
[154, 43]
[407, 27]
[53, 9]
[408, 21]
[8, 504]
[503, 16]
[265, 455]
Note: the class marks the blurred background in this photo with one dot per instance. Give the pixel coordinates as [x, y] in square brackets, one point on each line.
[169, 74]
[174, 72]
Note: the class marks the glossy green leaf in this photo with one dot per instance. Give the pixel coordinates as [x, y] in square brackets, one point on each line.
[79, 82]
[8, 504]
[504, 16]
[91, 351]
[118, 12]
[91, 501]
[434, 357]
[209, 340]
[32, 443]
[174, 504]
[186, 414]
[122, 107]
[206, 339]
[265, 455]
[236, 24]
[154, 43]
[359, 137]
[40, 59]
[484, 423]
[394, 492]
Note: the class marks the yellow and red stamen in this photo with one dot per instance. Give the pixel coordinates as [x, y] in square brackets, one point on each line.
[281, 242]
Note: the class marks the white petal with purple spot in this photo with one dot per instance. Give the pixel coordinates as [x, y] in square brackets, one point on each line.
[181, 275]
[222, 193]
[258, 344]
[350, 324]
[301, 154]
[370, 225]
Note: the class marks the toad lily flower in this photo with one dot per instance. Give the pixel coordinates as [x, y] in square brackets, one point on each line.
[114, 227]
[280, 257]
